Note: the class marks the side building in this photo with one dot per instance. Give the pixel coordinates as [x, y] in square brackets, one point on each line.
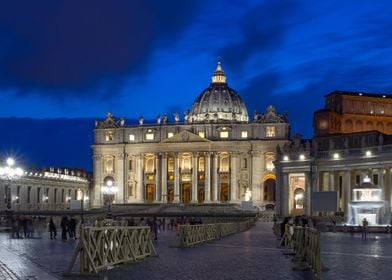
[215, 155]
[350, 146]
[45, 190]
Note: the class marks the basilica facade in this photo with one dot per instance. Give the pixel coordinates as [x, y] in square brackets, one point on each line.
[215, 154]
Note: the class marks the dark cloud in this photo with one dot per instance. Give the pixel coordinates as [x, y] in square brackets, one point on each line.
[262, 28]
[73, 46]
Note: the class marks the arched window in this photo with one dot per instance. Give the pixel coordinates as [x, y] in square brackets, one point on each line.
[348, 126]
[224, 163]
[149, 164]
[269, 161]
[299, 198]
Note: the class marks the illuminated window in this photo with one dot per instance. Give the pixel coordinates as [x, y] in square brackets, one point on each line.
[170, 134]
[170, 164]
[201, 164]
[244, 134]
[224, 164]
[131, 137]
[224, 134]
[270, 131]
[109, 136]
[202, 134]
[149, 136]
[269, 161]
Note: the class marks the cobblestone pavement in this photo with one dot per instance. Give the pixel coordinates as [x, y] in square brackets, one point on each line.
[249, 255]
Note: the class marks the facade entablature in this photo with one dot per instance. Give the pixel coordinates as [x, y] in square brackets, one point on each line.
[220, 131]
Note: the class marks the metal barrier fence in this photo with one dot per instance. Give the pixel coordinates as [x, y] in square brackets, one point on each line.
[100, 247]
[191, 235]
[305, 243]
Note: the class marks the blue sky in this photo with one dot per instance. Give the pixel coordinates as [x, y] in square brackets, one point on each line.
[75, 59]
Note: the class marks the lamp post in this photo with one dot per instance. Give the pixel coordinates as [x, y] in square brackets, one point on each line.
[10, 172]
[109, 190]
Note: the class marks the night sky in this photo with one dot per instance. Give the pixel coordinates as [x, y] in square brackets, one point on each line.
[81, 59]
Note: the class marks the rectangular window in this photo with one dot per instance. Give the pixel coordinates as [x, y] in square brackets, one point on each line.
[38, 195]
[62, 196]
[244, 134]
[170, 134]
[55, 196]
[224, 134]
[69, 195]
[28, 194]
[202, 134]
[149, 136]
[375, 179]
[131, 137]
[109, 136]
[270, 131]
[357, 179]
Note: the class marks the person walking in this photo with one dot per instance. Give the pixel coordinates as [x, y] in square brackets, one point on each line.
[52, 229]
[365, 224]
[72, 228]
[64, 228]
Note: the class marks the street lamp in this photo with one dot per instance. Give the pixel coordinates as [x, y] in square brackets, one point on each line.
[10, 172]
[109, 190]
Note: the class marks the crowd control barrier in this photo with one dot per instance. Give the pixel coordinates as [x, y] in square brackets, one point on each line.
[104, 246]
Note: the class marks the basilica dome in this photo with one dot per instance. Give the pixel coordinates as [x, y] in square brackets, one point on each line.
[218, 102]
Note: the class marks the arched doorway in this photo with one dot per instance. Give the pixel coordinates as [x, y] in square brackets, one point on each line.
[150, 192]
[299, 198]
[269, 188]
[224, 193]
[186, 192]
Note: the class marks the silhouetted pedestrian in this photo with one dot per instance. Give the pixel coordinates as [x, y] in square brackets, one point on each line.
[72, 228]
[64, 228]
[52, 229]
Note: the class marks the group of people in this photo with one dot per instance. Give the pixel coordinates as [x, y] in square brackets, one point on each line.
[68, 227]
[22, 227]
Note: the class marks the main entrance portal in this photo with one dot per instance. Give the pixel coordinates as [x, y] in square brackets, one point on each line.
[186, 192]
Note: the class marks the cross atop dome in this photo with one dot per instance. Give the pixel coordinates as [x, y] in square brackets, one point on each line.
[219, 76]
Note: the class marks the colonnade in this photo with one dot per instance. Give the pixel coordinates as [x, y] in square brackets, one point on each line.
[207, 179]
[327, 179]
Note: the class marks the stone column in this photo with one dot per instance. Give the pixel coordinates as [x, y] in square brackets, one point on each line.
[176, 179]
[164, 178]
[308, 193]
[257, 168]
[347, 191]
[387, 194]
[207, 177]
[120, 169]
[158, 190]
[331, 181]
[215, 196]
[233, 177]
[139, 179]
[285, 194]
[98, 182]
[195, 170]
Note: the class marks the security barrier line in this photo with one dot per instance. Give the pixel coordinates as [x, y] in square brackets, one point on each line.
[191, 235]
[100, 247]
